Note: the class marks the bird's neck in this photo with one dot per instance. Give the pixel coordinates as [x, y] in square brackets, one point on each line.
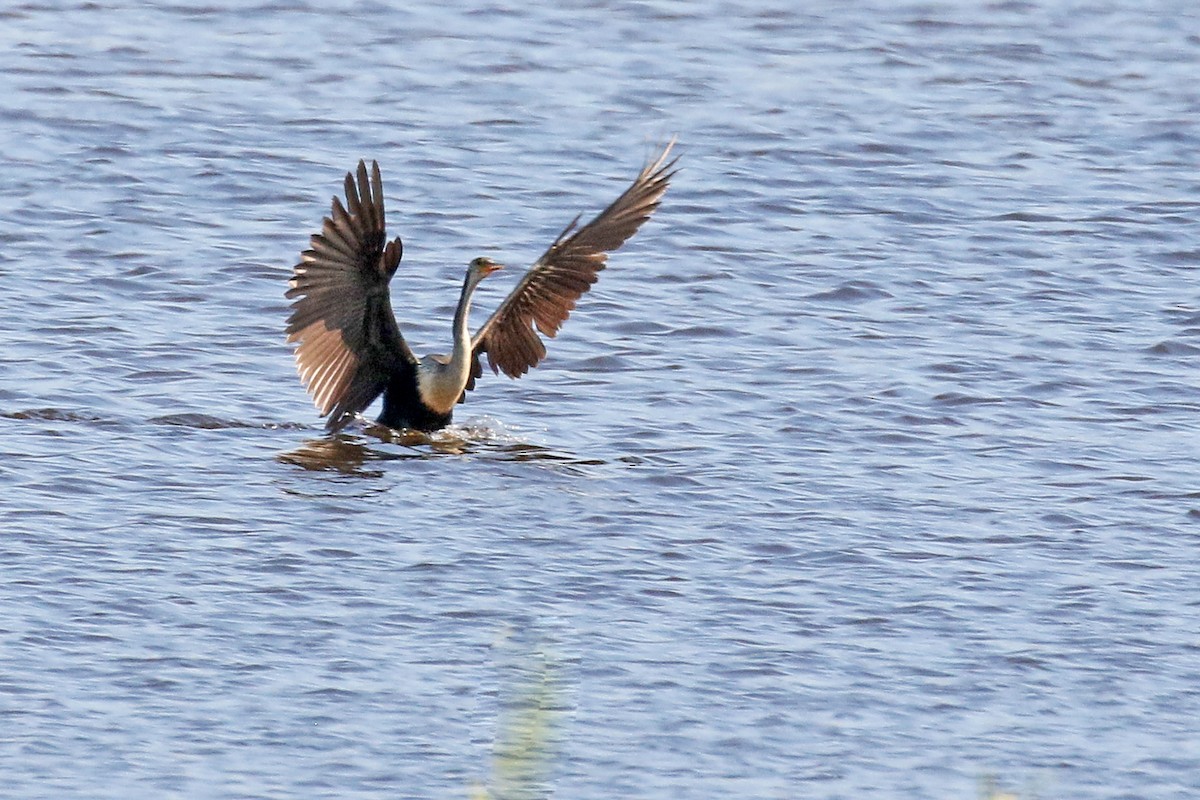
[460, 356]
[442, 384]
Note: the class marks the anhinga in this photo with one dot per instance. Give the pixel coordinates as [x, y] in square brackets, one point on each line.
[350, 348]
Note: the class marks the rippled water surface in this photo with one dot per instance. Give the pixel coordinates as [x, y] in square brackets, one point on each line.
[868, 469]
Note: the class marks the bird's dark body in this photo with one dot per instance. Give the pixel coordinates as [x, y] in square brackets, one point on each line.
[402, 406]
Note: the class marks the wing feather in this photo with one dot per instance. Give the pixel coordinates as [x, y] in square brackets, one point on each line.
[547, 293]
[348, 343]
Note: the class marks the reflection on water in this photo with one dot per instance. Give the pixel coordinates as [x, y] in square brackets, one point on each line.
[350, 453]
[339, 453]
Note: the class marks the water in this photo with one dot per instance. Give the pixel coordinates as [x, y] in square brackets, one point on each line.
[867, 470]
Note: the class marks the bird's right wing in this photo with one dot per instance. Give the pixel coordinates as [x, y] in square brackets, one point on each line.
[547, 293]
[348, 342]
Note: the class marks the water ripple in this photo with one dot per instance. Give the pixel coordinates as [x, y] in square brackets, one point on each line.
[867, 468]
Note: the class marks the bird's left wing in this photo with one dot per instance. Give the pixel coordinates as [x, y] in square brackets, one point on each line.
[349, 343]
[547, 293]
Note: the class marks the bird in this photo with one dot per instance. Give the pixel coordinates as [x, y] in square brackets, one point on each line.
[348, 346]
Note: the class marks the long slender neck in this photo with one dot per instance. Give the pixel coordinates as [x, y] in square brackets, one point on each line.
[461, 353]
[441, 383]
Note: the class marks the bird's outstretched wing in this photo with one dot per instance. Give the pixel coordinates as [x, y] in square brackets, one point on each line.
[546, 294]
[349, 343]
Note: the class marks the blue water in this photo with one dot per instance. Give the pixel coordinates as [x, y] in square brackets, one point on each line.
[868, 468]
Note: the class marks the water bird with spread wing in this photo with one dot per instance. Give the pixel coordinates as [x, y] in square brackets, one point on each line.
[350, 349]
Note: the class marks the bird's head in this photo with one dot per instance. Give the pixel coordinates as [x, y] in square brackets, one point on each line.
[483, 266]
